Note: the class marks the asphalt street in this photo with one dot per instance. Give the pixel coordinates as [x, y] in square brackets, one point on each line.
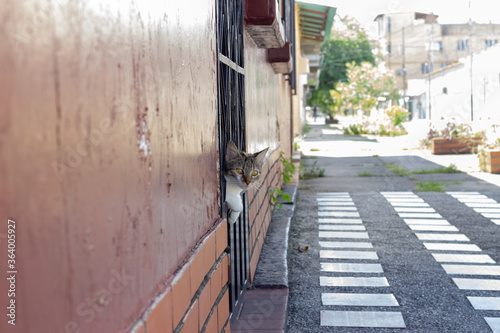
[370, 252]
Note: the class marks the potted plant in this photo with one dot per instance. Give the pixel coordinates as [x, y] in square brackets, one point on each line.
[489, 157]
[454, 139]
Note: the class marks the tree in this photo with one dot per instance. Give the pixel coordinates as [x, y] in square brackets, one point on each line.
[366, 85]
[348, 44]
[337, 53]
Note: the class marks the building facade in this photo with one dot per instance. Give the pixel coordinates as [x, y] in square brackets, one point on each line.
[414, 44]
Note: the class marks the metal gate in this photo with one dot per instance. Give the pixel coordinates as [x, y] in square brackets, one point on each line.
[231, 118]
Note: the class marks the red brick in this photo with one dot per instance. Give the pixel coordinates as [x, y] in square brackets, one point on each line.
[181, 297]
[160, 318]
[191, 323]
[209, 251]
[205, 304]
[216, 283]
[223, 310]
[197, 269]
[221, 238]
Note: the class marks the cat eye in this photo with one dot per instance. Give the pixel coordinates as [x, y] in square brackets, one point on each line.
[239, 171]
[255, 173]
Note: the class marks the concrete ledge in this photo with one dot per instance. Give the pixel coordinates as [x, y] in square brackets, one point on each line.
[272, 269]
[261, 310]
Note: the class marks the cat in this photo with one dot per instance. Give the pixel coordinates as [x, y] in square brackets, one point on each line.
[241, 173]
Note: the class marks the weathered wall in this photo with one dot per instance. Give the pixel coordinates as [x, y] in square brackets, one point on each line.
[268, 125]
[107, 139]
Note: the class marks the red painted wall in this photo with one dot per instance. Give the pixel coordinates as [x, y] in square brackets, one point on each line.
[108, 155]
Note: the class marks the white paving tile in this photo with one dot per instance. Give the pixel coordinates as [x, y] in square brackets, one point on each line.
[471, 269]
[333, 194]
[350, 281]
[472, 200]
[491, 215]
[342, 267]
[362, 319]
[477, 284]
[414, 210]
[487, 210]
[332, 254]
[405, 200]
[463, 258]
[409, 204]
[485, 303]
[335, 203]
[462, 193]
[443, 237]
[483, 205]
[449, 228]
[342, 227]
[340, 220]
[339, 214]
[421, 215]
[346, 299]
[398, 193]
[341, 234]
[494, 323]
[470, 196]
[452, 247]
[334, 199]
[497, 222]
[426, 221]
[346, 245]
[341, 208]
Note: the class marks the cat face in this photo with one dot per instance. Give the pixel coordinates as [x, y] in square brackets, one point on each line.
[242, 168]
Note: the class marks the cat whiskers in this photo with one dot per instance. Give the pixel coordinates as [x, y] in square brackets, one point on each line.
[254, 185]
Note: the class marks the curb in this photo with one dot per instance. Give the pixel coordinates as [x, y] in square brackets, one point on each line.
[264, 307]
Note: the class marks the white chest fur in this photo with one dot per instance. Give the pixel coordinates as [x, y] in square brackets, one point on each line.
[234, 201]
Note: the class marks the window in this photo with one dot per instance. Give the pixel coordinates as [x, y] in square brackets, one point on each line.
[389, 48]
[388, 24]
[434, 46]
[462, 45]
[426, 68]
[490, 42]
[444, 64]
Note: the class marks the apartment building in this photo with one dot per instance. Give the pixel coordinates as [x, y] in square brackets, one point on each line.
[414, 44]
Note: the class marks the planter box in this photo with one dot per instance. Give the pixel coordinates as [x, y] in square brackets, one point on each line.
[263, 23]
[489, 161]
[331, 121]
[441, 146]
[280, 59]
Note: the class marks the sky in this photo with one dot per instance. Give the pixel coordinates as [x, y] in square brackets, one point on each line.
[449, 11]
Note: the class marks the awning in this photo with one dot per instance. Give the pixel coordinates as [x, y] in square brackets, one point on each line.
[315, 24]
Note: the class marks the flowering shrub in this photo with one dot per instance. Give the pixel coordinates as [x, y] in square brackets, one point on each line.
[386, 123]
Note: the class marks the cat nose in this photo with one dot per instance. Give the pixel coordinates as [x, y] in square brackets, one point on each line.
[248, 181]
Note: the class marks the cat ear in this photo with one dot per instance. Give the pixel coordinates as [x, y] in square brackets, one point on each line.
[232, 152]
[259, 157]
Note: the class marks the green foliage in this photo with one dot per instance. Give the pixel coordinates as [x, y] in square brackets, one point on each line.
[355, 129]
[452, 168]
[397, 114]
[399, 171]
[274, 198]
[347, 44]
[313, 172]
[366, 174]
[430, 187]
[288, 169]
[340, 51]
[306, 128]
